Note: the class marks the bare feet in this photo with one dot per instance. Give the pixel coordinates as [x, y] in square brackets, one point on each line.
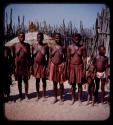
[80, 102]
[72, 102]
[44, 99]
[27, 97]
[92, 104]
[61, 102]
[87, 103]
[54, 101]
[37, 99]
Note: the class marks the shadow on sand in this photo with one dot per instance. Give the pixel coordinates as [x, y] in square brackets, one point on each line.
[67, 95]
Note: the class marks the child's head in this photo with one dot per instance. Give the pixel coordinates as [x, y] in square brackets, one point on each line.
[102, 50]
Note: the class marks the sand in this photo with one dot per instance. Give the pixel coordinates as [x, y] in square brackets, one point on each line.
[45, 110]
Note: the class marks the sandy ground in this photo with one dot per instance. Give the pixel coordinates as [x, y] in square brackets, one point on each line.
[45, 110]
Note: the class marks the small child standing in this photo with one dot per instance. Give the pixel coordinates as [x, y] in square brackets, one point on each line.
[91, 86]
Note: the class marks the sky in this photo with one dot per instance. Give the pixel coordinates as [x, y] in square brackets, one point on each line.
[55, 13]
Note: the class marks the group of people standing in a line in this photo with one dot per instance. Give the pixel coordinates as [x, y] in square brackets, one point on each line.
[57, 63]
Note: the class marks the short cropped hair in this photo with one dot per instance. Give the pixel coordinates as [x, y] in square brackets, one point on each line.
[21, 33]
[77, 35]
[58, 34]
[41, 34]
[101, 46]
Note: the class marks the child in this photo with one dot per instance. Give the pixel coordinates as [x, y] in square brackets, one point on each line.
[101, 65]
[91, 85]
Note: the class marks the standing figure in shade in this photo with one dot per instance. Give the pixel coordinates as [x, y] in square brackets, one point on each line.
[40, 54]
[101, 65]
[77, 58]
[57, 67]
[91, 84]
[7, 81]
[22, 63]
